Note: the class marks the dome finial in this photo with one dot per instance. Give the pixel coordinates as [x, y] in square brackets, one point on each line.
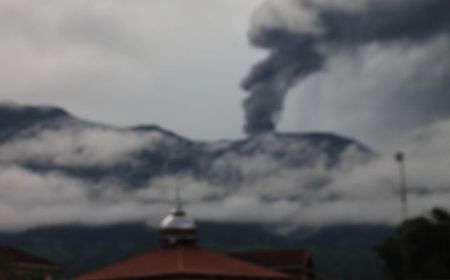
[177, 227]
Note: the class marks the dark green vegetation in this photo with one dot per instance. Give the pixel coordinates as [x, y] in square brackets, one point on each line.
[344, 251]
[420, 248]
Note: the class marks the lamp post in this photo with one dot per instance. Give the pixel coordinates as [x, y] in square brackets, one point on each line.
[400, 158]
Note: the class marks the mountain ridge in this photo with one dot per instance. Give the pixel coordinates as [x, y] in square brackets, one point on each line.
[172, 152]
[112, 163]
[16, 113]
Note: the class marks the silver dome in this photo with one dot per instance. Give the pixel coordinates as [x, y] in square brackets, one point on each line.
[177, 220]
[177, 228]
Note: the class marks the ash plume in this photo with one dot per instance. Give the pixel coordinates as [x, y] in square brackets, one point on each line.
[301, 35]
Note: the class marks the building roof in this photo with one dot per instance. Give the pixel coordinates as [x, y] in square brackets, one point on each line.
[276, 258]
[298, 263]
[178, 227]
[183, 261]
[19, 257]
[177, 218]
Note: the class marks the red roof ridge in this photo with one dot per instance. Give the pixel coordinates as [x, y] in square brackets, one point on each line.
[180, 259]
[268, 253]
[279, 260]
[183, 260]
[271, 252]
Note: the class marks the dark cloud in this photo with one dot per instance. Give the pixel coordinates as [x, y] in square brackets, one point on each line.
[269, 80]
[297, 51]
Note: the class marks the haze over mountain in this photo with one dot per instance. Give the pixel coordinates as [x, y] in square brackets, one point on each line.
[61, 175]
[76, 171]
[68, 183]
[58, 169]
[84, 193]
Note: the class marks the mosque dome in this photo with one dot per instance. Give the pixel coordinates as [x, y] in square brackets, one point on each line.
[177, 220]
[177, 227]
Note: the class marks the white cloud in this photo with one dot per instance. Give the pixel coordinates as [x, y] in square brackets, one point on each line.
[284, 198]
[75, 146]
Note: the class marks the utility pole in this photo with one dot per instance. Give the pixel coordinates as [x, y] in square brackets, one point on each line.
[400, 158]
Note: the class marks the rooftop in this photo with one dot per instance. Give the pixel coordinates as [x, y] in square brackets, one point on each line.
[19, 257]
[183, 261]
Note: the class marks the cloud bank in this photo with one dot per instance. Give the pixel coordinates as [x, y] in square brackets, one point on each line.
[273, 194]
[76, 146]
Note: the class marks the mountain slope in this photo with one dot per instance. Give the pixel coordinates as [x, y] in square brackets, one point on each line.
[83, 193]
[51, 139]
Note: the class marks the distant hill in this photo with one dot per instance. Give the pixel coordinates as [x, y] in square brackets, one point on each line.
[343, 251]
[163, 152]
[47, 140]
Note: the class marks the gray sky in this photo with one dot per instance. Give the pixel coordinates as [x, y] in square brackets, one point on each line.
[180, 63]
[173, 63]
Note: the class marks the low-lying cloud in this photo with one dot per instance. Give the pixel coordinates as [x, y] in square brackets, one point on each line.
[288, 197]
[78, 146]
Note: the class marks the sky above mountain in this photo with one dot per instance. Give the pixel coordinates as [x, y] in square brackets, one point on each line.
[173, 63]
[180, 64]
[373, 70]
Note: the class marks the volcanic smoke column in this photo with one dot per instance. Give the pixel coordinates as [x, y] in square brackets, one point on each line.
[301, 34]
[269, 80]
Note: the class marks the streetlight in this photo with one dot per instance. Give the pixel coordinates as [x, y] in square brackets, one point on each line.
[400, 158]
